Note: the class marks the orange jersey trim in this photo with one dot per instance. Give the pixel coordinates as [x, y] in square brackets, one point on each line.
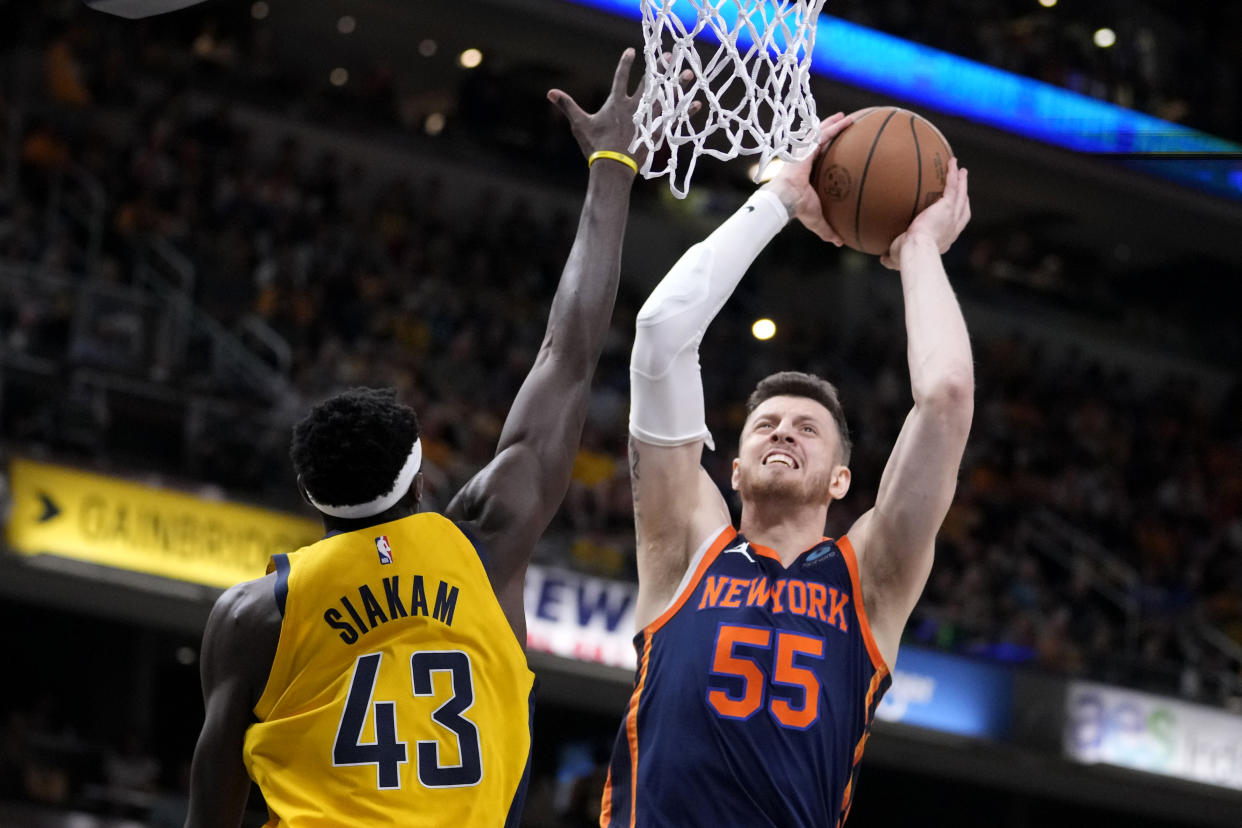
[766, 552]
[722, 540]
[862, 740]
[605, 808]
[631, 730]
[851, 562]
[847, 801]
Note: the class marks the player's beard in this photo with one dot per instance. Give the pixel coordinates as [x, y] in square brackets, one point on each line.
[790, 489]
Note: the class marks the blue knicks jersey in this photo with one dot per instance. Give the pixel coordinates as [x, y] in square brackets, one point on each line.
[754, 695]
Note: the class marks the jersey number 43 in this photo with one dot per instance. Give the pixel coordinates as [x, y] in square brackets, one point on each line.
[386, 752]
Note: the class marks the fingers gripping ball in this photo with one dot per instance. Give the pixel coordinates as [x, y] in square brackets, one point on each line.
[138, 8]
[876, 176]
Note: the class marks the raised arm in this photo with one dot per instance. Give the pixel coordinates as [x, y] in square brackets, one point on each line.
[676, 505]
[511, 501]
[895, 539]
[238, 647]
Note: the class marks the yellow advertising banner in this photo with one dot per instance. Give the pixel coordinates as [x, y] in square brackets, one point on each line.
[91, 517]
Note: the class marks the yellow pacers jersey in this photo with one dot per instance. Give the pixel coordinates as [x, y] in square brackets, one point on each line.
[398, 694]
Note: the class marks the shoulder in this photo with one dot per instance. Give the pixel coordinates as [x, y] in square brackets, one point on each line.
[879, 583]
[242, 633]
[882, 561]
[437, 520]
[500, 493]
[439, 527]
[249, 605]
[859, 543]
[859, 538]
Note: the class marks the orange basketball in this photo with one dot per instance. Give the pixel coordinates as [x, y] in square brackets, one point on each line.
[878, 173]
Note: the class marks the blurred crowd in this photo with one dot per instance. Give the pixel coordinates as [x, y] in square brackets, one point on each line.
[378, 282]
[1097, 529]
[372, 280]
[1171, 59]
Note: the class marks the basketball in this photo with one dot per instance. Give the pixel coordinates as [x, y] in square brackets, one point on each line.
[878, 173]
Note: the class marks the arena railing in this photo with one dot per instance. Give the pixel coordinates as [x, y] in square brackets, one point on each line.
[112, 355]
[1057, 538]
[167, 273]
[1116, 581]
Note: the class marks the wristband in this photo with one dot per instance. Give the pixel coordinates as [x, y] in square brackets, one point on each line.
[619, 157]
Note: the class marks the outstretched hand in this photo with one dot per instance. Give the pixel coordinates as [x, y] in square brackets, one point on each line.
[793, 185]
[941, 223]
[612, 127]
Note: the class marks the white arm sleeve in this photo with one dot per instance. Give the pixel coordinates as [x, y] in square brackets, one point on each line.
[666, 388]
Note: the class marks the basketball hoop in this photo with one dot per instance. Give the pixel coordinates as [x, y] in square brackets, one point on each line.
[755, 85]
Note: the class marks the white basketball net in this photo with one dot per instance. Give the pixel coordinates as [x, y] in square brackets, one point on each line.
[756, 96]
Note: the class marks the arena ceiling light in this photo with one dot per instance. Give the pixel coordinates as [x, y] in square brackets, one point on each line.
[763, 329]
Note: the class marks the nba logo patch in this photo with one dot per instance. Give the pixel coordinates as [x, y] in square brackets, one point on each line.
[385, 551]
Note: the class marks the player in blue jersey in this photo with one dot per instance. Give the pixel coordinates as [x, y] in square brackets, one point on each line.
[764, 650]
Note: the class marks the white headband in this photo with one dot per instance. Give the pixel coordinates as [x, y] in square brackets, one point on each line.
[385, 501]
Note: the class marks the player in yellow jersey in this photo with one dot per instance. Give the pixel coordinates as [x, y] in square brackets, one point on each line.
[378, 676]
